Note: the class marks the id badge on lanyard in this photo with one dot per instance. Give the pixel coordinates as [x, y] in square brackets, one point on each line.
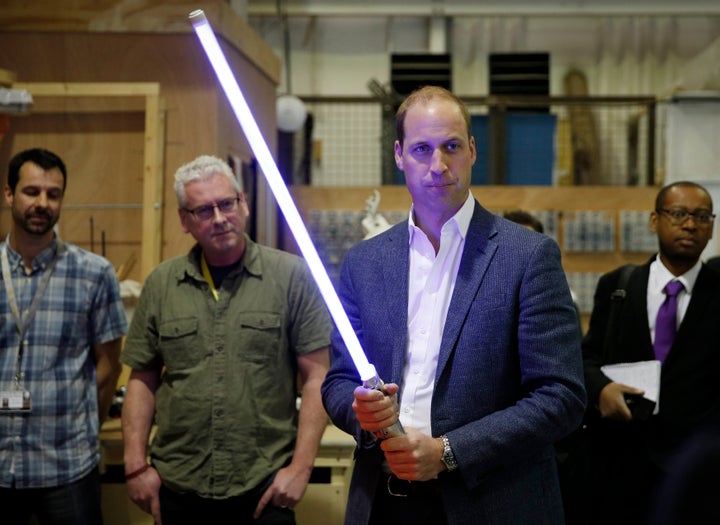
[17, 399]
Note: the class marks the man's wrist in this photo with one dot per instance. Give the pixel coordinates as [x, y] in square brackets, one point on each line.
[137, 472]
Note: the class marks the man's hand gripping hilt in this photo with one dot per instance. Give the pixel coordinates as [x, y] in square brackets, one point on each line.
[396, 428]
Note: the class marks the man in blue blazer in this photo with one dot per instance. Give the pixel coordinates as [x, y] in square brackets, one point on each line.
[472, 316]
[629, 454]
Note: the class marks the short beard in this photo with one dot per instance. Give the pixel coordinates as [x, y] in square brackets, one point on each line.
[24, 222]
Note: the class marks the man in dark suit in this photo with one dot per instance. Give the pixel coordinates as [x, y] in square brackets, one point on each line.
[629, 454]
[471, 314]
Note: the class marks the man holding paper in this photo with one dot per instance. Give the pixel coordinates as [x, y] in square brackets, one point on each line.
[667, 311]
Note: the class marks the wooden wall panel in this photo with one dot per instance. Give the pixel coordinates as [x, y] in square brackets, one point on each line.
[569, 198]
[139, 16]
[197, 118]
[103, 153]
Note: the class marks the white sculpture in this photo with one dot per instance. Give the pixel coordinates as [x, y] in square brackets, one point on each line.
[374, 222]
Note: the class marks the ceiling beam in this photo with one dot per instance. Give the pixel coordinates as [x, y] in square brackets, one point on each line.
[425, 8]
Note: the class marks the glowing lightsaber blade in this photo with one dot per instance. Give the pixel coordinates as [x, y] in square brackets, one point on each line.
[202, 28]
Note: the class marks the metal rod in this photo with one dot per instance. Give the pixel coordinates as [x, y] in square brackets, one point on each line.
[92, 234]
[102, 206]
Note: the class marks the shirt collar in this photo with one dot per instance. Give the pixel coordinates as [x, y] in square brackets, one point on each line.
[251, 262]
[660, 276]
[461, 220]
[41, 260]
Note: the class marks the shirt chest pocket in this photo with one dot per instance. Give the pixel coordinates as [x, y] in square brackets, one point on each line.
[259, 335]
[179, 343]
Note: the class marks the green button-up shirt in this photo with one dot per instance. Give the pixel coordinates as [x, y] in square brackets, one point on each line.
[226, 405]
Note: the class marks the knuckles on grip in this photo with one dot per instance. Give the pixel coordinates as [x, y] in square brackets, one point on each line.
[396, 428]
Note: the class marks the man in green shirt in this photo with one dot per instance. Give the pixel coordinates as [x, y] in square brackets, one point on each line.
[215, 346]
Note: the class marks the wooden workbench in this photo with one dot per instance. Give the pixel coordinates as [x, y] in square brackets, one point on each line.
[323, 503]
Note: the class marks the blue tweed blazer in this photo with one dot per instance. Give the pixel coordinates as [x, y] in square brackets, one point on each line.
[509, 380]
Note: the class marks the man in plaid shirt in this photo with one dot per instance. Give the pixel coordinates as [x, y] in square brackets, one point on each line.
[61, 326]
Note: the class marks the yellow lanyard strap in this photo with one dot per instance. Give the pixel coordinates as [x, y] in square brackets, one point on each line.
[208, 277]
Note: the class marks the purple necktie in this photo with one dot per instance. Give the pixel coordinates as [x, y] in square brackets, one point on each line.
[666, 323]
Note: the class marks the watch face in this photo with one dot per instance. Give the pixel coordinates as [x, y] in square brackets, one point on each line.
[449, 461]
[448, 458]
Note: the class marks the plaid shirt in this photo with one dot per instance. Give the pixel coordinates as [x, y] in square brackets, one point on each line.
[57, 442]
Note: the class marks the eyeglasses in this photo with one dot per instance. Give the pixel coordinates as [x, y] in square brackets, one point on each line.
[203, 213]
[680, 216]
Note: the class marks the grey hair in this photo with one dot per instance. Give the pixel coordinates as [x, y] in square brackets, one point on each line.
[203, 167]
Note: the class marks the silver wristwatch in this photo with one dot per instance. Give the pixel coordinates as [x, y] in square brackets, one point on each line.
[448, 458]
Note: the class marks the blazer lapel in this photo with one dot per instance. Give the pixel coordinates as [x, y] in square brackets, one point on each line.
[396, 264]
[480, 247]
[637, 308]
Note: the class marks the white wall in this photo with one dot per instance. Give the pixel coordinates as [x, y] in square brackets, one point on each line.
[621, 55]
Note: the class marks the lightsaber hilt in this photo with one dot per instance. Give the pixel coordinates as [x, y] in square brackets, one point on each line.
[394, 430]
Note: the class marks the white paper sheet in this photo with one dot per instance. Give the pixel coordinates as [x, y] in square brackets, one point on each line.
[644, 375]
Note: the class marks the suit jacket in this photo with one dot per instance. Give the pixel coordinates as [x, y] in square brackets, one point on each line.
[690, 376]
[509, 376]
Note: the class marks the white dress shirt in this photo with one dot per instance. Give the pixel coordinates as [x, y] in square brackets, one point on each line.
[431, 284]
